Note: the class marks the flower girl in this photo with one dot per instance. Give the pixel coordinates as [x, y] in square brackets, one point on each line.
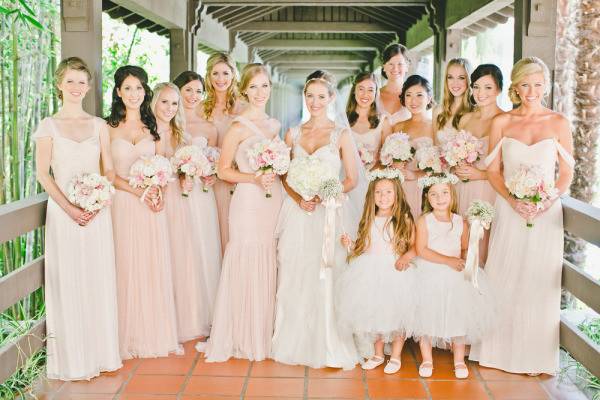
[374, 293]
[449, 308]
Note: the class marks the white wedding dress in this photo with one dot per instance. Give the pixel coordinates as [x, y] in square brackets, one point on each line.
[306, 331]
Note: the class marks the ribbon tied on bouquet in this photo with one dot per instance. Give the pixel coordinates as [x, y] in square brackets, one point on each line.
[333, 207]
[480, 215]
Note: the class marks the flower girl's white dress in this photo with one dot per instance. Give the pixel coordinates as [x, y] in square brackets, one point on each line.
[373, 299]
[449, 307]
[306, 331]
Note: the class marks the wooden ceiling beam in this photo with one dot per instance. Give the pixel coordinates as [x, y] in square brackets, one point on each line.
[315, 27]
[316, 45]
[343, 3]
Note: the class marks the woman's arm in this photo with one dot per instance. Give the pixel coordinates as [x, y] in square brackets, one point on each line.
[348, 150]
[105, 154]
[494, 169]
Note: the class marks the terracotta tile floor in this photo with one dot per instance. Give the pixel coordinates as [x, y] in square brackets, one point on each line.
[188, 377]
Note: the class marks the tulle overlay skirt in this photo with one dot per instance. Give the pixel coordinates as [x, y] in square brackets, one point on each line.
[81, 302]
[412, 194]
[524, 266]
[191, 300]
[375, 301]
[306, 330]
[243, 318]
[147, 317]
[449, 308]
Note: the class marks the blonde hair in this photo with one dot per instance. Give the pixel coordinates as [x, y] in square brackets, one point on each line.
[211, 97]
[177, 123]
[426, 205]
[401, 220]
[74, 63]
[249, 72]
[524, 67]
[465, 105]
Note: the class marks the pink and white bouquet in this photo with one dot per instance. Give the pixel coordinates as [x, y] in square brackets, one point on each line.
[307, 175]
[189, 161]
[212, 155]
[528, 184]
[150, 171]
[396, 148]
[92, 191]
[461, 147]
[366, 153]
[429, 159]
[269, 157]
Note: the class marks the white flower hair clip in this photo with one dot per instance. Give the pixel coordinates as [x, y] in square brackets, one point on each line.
[436, 179]
[386, 173]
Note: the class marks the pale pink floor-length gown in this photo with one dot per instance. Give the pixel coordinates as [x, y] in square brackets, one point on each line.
[193, 299]
[80, 283]
[147, 317]
[244, 310]
[524, 267]
[371, 141]
[221, 188]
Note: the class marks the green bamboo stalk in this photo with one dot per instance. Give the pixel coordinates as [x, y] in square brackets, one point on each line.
[14, 161]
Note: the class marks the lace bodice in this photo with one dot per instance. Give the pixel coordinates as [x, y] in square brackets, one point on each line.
[444, 237]
[328, 153]
[543, 153]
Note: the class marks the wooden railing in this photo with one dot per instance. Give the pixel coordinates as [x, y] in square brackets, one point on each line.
[17, 219]
[580, 219]
[583, 221]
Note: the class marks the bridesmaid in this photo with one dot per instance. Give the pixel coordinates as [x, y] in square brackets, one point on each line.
[394, 69]
[417, 98]
[243, 321]
[80, 285]
[367, 124]
[204, 206]
[456, 100]
[192, 303]
[219, 107]
[147, 319]
[525, 264]
[486, 87]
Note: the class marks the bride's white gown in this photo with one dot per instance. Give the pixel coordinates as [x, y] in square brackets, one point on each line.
[306, 331]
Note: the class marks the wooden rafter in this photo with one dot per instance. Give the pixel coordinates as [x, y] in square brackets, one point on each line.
[315, 27]
[316, 45]
[382, 17]
[369, 3]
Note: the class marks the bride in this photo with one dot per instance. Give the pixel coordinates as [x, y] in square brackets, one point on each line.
[306, 332]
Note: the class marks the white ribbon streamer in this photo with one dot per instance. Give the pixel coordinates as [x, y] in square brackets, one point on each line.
[332, 206]
[472, 262]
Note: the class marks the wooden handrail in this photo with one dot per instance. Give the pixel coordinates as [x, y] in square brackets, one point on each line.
[22, 216]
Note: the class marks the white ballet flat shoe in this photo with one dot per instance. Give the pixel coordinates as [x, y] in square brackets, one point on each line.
[392, 366]
[461, 371]
[201, 347]
[426, 369]
[373, 363]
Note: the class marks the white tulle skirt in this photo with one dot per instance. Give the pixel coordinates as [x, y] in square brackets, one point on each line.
[306, 330]
[449, 309]
[375, 301]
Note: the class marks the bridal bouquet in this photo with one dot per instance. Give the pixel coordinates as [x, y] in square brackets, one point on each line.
[306, 176]
[366, 153]
[150, 171]
[396, 148]
[429, 159]
[189, 161]
[528, 185]
[212, 155]
[92, 192]
[269, 157]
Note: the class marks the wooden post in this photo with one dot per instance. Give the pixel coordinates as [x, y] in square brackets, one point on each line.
[81, 36]
[535, 32]
[437, 22]
[182, 52]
